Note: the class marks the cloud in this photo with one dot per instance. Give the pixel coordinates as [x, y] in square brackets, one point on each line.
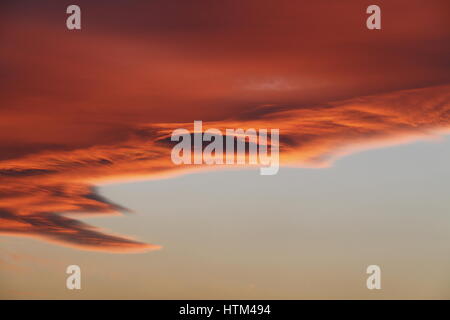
[38, 190]
[79, 108]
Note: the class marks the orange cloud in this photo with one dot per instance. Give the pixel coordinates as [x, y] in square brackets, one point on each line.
[38, 189]
[78, 108]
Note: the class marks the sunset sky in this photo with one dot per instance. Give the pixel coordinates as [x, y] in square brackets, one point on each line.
[87, 178]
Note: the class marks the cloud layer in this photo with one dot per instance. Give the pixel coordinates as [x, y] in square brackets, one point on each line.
[80, 108]
[36, 189]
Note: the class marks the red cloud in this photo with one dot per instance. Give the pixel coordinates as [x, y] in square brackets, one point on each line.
[38, 188]
[81, 107]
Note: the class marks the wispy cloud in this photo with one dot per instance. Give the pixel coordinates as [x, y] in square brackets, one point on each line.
[79, 108]
[39, 188]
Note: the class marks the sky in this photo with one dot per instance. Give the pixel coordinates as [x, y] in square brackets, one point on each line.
[239, 240]
[86, 174]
